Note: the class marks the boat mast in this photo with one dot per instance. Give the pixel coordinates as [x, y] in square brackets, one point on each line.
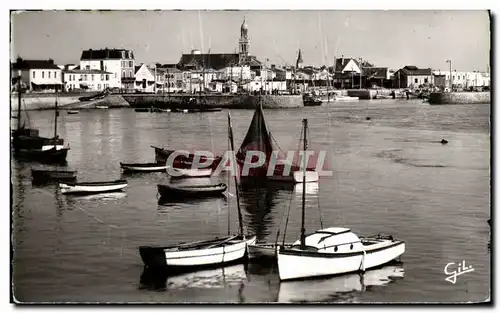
[19, 73]
[56, 113]
[240, 219]
[302, 229]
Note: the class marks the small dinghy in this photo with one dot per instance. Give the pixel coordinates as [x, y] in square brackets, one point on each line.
[92, 187]
[73, 112]
[143, 167]
[264, 250]
[199, 191]
[45, 176]
[189, 172]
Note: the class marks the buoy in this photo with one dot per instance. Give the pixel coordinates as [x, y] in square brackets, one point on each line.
[444, 141]
[368, 118]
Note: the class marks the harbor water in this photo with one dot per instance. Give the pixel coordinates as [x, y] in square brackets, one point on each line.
[391, 175]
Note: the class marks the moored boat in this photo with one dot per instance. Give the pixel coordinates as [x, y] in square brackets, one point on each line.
[334, 250]
[143, 167]
[92, 187]
[73, 111]
[182, 161]
[29, 145]
[192, 191]
[42, 176]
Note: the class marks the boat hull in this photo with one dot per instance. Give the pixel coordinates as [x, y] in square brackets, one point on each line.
[89, 188]
[296, 264]
[50, 156]
[169, 191]
[42, 176]
[186, 172]
[146, 167]
[233, 250]
[264, 250]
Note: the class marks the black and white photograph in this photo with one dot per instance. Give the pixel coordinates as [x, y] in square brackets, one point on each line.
[251, 156]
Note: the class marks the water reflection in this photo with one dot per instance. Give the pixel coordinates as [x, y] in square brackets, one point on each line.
[159, 280]
[106, 196]
[259, 199]
[341, 288]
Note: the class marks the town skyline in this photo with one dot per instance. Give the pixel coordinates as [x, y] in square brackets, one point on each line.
[422, 38]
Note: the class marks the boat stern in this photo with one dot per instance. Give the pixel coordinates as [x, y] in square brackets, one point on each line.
[153, 257]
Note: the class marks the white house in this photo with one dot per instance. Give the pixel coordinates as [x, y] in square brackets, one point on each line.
[464, 79]
[38, 75]
[145, 79]
[119, 62]
[88, 80]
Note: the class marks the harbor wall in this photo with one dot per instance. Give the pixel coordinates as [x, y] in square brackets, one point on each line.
[362, 94]
[30, 102]
[459, 97]
[242, 101]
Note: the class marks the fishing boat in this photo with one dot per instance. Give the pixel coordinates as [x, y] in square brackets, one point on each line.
[29, 145]
[259, 138]
[206, 253]
[191, 191]
[43, 176]
[311, 100]
[73, 112]
[189, 172]
[334, 250]
[92, 187]
[143, 167]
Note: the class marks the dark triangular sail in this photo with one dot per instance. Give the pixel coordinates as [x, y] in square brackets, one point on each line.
[258, 137]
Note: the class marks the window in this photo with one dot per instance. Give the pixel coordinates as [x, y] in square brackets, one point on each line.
[43, 74]
[99, 86]
[107, 76]
[84, 76]
[416, 80]
[426, 80]
[92, 76]
[130, 64]
[123, 74]
[69, 77]
[453, 76]
[102, 76]
[49, 74]
[88, 67]
[34, 74]
[55, 74]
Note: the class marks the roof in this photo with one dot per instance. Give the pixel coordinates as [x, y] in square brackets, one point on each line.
[341, 63]
[79, 71]
[216, 61]
[413, 70]
[106, 54]
[375, 72]
[35, 64]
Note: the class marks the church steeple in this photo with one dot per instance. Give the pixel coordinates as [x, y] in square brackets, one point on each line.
[299, 60]
[244, 42]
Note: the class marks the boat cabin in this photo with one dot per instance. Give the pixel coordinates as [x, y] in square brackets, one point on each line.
[331, 240]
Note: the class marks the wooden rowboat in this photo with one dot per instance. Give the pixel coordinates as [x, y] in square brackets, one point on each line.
[93, 187]
[193, 191]
[143, 167]
[43, 176]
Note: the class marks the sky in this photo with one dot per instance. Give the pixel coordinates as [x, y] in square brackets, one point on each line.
[384, 38]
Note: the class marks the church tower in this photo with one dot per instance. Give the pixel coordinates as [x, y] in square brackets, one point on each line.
[299, 60]
[244, 43]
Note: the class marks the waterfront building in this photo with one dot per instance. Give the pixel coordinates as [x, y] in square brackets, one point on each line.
[119, 62]
[376, 77]
[347, 73]
[461, 79]
[38, 75]
[149, 79]
[77, 79]
[413, 77]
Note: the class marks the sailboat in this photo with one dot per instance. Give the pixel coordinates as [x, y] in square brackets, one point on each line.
[205, 253]
[28, 144]
[259, 138]
[334, 250]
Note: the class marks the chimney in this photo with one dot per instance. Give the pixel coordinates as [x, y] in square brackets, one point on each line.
[51, 61]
